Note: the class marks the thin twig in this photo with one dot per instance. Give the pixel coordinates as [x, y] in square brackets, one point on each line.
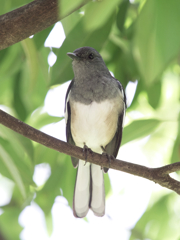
[157, 175]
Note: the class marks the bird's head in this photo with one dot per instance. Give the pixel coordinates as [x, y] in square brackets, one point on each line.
[87, 60]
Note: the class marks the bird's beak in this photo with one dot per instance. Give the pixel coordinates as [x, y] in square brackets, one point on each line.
[72, 55]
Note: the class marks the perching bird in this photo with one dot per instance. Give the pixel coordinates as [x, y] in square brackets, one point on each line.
[94, 111]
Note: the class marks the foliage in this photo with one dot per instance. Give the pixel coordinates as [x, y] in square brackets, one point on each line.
[138, 40]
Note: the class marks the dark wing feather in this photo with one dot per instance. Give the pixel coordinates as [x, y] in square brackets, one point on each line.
[113, 147]
[122, 91]
[69, 138]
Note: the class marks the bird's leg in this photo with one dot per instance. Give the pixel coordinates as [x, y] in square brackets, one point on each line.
[108, 156]
[86, 150]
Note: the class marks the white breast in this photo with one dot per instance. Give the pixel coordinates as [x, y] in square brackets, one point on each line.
[95, 124]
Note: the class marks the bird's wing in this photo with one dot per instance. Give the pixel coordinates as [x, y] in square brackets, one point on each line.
[113, 147]
[68, 123]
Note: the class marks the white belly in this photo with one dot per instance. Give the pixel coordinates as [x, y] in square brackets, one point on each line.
[95, 124]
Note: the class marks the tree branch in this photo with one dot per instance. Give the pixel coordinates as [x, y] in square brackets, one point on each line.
[29, 20]
[158, 175]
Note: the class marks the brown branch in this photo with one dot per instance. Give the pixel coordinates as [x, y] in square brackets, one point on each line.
[158, 175]
[29, 20]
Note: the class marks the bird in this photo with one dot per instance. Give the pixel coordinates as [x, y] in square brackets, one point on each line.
[95, 106]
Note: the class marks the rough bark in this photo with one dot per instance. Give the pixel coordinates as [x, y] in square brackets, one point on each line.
[28, 20]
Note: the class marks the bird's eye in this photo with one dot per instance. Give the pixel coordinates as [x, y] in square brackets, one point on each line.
[91, 56]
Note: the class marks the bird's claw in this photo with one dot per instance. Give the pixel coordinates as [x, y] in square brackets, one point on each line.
[86, 150]
[108, 156]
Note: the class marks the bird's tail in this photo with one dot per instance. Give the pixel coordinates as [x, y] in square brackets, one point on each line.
[89, 190]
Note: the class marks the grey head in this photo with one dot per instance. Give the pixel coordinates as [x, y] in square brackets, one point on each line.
[92, 79]
[88, 62]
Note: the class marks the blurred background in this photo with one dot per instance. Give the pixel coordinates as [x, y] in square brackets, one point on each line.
[139, 41]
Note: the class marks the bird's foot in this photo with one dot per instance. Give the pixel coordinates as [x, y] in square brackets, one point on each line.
[109, 158]
[86, 151]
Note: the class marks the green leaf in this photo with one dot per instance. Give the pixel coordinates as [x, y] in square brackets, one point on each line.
[18, 142]
[62, 177]
[11, 62]
[32, 58]
[121, 15]
[10, 228]
[35, 89]
[70, 22]
[66, 6]
[157, 37]
[97, 12]
[44, 155]
[39, 119]
[3, 54]
[20, 151]
[5, 6]
[26, 145]
[78, 37]
[158, 222]
[40, 38]
[139, 129]
[122, 63]
[13, 170]
[154, 94]
[176, 149]
[18, 103]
